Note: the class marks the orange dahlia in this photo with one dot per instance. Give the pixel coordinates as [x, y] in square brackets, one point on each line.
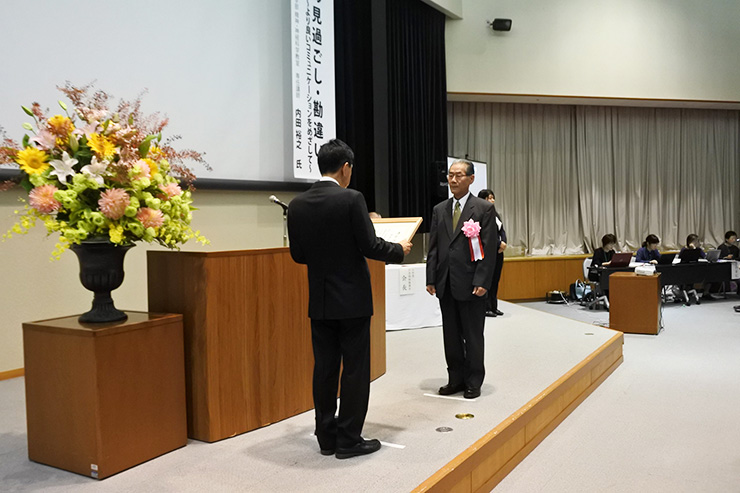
[150, 218]
[113, 203]
[42, 199]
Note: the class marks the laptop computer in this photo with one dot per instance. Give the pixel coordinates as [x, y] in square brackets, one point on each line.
[666, 259]
[713, 255]
[690, 255]
[620, 260]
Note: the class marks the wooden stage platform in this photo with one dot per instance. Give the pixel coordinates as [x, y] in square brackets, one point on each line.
[539, 368]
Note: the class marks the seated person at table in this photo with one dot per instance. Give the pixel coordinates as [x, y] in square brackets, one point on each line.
[649, 251]
[603, 255]
[729, 249]
[692, 243]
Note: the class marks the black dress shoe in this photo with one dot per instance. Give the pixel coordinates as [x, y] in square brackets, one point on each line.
[490, 314]
[327, 451]
[363, 448]
[498, 312]
[450, 389]
[471, 393]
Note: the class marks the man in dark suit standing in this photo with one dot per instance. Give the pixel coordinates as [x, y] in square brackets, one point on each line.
[457, 275]
[331, 232]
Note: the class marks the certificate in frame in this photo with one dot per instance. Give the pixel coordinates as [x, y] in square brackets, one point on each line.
[396, 229]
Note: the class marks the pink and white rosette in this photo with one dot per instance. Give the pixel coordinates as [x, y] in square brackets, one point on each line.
[471, 229]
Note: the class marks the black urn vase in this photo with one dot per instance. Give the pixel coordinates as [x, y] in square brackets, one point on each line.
[101, 271]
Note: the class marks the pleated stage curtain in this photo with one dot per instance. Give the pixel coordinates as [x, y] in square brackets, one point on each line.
[566, 175]
[354, 90]
[417, 106]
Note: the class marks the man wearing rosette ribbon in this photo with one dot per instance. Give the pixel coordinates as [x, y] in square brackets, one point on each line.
[330, 231]
[460, 263]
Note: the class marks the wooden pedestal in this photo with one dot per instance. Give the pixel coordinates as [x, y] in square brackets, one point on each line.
[634, 303]
[101, 398]
[248, 353]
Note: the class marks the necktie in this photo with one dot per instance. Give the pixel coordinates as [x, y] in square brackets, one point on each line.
[456, 214]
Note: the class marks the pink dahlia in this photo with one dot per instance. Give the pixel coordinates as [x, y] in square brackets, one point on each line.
[113, 203]
[42, 199]
[171, 190]
[150, 218]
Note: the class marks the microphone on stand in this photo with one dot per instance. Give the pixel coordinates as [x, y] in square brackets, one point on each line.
[279, 202]
[282, 204]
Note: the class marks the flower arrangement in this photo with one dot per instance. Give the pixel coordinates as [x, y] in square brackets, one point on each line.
[93, 173]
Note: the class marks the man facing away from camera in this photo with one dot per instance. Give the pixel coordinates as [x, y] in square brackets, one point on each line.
[330, 231]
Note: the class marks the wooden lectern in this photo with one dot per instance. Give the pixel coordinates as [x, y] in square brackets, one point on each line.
[248, 353]
[634, 303]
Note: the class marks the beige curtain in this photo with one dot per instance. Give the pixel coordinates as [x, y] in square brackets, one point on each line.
[566, 175]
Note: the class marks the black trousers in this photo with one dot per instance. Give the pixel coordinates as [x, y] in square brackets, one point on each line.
[492, 300]
[340, 342]
[462, 326]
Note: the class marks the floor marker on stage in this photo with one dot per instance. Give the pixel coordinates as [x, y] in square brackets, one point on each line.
[450, 397]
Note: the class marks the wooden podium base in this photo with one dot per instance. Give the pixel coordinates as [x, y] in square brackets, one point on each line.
[101, 398]
[248, 351]
[634, 303]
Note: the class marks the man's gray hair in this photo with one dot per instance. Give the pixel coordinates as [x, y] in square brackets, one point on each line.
[469, 168]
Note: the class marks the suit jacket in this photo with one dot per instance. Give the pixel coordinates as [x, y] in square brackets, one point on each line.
[331, 232]
[449, 251]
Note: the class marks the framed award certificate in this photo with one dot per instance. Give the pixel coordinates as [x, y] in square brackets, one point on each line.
[396, 229]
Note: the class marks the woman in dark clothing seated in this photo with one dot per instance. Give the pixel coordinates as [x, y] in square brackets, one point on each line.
[692, 243]
[603, 256]
[649, 251]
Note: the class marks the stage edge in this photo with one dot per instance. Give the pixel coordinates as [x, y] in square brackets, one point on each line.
[484, 464]
[7, 375]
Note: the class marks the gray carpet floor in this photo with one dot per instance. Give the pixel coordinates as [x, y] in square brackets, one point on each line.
[665, 421]
[526, 351]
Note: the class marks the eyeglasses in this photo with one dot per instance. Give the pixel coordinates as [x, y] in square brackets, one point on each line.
[456, 175]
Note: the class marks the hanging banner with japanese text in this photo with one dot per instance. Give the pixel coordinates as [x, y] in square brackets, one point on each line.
[314, 113]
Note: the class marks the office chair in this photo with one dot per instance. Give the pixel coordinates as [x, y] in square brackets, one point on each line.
[597, 294]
